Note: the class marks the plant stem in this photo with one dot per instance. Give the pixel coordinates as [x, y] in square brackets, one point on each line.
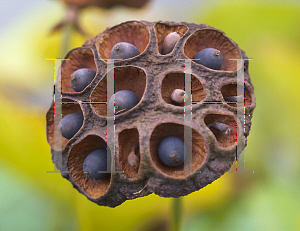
[69, 22]
[66, 38]
[176, 214]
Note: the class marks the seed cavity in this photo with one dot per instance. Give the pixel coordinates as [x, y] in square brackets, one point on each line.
[234, 98]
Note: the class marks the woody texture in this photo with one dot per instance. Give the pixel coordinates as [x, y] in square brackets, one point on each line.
[150, 152]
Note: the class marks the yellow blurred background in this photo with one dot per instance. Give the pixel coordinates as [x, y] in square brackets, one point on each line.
[268, 199]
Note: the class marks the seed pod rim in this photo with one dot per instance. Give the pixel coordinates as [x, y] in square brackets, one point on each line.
[221, 34]
[104, 49]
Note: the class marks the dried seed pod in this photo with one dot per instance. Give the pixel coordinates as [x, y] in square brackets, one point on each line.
[211, 132]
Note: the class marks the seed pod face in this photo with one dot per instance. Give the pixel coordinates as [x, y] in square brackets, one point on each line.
[146, 113]
[169, 42]
[70, 124]
[122, 101]
[124, 50]
[210, 58]
[171, 151]
[81, 78]
[94, 163]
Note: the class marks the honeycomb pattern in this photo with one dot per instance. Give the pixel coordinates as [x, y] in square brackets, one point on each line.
[152, 77]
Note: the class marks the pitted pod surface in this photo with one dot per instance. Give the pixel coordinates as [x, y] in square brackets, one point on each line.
[156, 148]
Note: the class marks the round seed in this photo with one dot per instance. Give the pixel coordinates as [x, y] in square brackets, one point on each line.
[170, 42]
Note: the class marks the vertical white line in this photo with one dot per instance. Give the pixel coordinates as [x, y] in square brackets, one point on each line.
[240, 116]
[188, 116]
[111, 152]
[57, 97]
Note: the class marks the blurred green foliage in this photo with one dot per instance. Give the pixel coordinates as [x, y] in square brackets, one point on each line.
[30, 199]
[268, 32]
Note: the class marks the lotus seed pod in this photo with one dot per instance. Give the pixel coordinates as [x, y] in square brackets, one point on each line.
[208, 123]
[170, 42]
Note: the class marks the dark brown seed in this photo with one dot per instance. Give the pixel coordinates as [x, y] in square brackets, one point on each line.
[225, 129]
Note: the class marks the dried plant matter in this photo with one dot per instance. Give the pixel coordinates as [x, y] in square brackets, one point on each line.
[153, 77]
